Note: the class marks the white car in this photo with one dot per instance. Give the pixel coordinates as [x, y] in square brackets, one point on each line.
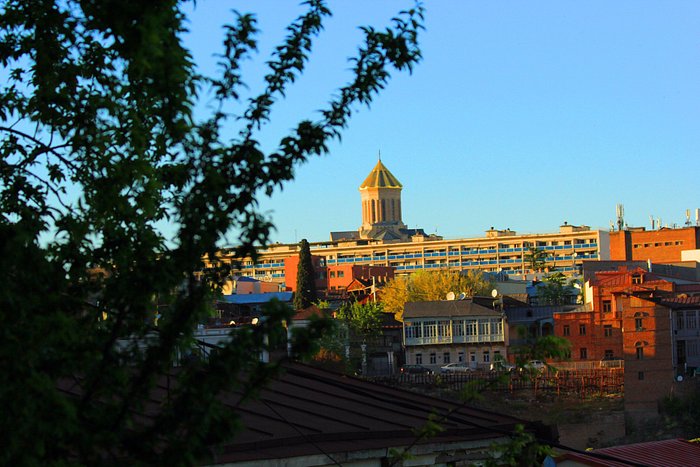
[502, 366]
[535, 365]
[460, 367]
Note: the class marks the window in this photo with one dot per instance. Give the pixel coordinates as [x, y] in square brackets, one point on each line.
[484, 328]
[608, 330]
[433, 358]
[487, 356]
[638, 324]
[640, 353]
[640, 375]
[691, 321]
[581, 329]
[458, 328]
[341, 273]
[332, 274]
[419, 359]
[636, 278]
[446, 357]
[609, 354]
[680, 320]
[567, 330]
[430, 329]
[460, 357]
[444, 329]
[584, 353]
[607, 306]
[470, 327]
[413, 330]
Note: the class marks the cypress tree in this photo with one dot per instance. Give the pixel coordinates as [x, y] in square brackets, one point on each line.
[306, 284]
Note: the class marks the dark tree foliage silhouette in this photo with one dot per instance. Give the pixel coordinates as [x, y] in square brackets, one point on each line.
[100, 147]
[306, 275]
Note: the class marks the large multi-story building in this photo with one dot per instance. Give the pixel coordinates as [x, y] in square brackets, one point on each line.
[383, 240]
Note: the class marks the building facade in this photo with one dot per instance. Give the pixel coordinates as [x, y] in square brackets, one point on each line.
[659, 246]
[383, 240]
[449, 331]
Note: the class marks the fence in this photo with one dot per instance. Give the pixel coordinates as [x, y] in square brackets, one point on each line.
[583, 382]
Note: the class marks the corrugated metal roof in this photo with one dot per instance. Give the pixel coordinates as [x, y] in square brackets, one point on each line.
[307, 411]
[446, 308]
[380, 177]
[306, 408]
[666, 453]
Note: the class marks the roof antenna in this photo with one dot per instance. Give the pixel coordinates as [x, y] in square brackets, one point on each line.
[379, 154]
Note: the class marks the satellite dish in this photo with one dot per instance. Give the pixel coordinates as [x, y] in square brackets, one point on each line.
[450, 295]
[461, 296]
[494, 293]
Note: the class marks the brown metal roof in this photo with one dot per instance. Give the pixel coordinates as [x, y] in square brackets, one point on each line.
[447, 308]
[307, 410]
[666, 453]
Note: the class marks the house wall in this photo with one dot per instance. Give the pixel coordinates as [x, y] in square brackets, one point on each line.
[480, 356]
[291, 265]
[340, 276]
[649, 372]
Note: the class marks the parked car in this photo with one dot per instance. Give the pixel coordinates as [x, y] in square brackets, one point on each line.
[501, 365]
[535, 365]
[459, 367]
[415, 370]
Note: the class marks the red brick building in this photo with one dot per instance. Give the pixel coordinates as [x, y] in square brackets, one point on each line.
[336, 279]
[626, 316]
[659, 246]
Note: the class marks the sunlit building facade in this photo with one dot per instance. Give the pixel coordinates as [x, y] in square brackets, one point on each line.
[384, 240]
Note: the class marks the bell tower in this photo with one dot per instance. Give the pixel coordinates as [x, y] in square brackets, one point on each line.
[381, 204]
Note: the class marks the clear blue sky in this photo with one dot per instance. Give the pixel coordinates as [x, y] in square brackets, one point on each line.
[522, 115]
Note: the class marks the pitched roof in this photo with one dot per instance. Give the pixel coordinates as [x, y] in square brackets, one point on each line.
[677, 303]
[446, 308]
[330, 417]
[380, 177]
[650, 454]
[308, 411]
[307, 313]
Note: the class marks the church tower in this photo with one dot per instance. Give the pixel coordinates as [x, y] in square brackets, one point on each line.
[381, 205]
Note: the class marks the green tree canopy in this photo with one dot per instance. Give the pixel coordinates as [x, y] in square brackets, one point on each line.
[425, 286]
[101, 147]
[555, 289]
[305, 295]
[363, 320]
[535, 258]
